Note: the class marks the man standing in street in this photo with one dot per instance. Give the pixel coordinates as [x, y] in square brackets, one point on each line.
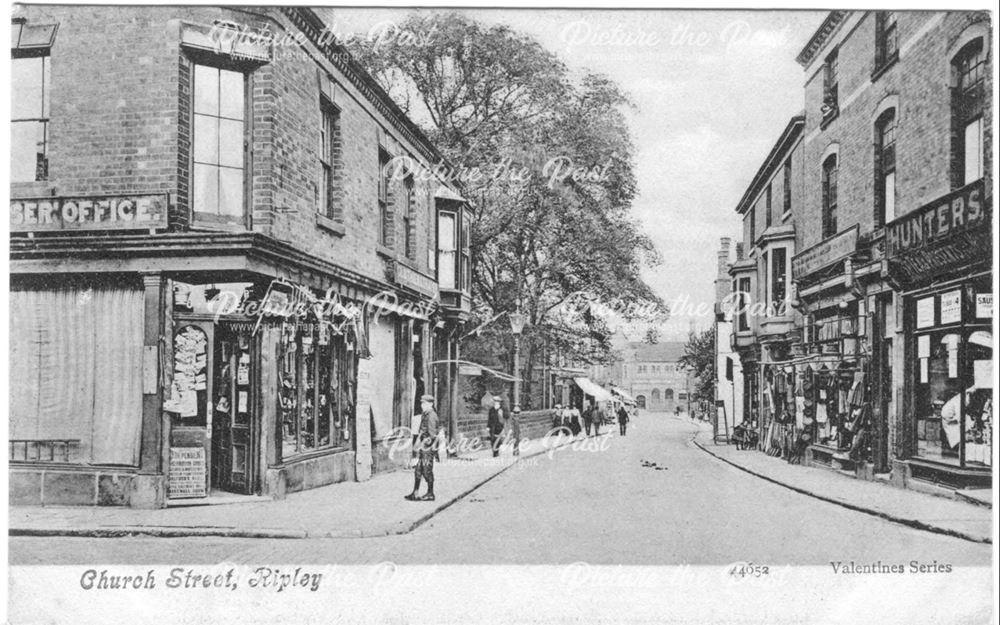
[514, 429]
[425, 450]
[598, 419]
[622, 420]
[494, 425]
[588, 418]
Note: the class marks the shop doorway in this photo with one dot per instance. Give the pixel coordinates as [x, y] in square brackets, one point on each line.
[234, 440]
[213, 408]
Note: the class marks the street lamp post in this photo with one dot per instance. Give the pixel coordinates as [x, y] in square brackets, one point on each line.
[517, 321]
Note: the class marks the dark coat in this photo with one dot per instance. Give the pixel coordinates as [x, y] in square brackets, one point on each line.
[494, 422]
[622, 415]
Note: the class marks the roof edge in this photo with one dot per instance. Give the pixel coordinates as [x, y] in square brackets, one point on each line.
[820, 37]
[793, 130]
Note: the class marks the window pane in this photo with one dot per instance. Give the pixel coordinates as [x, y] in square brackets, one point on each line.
[974, 151]
[231, 143]
[206, 139]
[231, 92]
[446, 232]
[889, 188]
[446, 271]
[26, 93]
[26, 140]
[231, 192]
[206, 90]
[206, 188]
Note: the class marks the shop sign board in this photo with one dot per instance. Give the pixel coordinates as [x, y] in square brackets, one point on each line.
[959, 211]
[187, 472]
[363, 415]
[122, 212]
[836, 248]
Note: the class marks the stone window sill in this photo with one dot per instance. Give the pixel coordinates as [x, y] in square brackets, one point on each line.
[330, 225]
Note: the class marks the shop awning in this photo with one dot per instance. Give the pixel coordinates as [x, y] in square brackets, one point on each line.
[592, 389]
[467, 367]
[625, 396]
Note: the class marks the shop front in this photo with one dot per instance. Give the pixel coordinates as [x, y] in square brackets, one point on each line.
[844, 368]
[940, 256]
[140, 384]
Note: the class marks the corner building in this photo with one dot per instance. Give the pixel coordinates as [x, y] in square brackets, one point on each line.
[217, 285]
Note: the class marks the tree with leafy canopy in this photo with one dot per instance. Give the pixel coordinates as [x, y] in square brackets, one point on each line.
[551, 214]
[699, 357]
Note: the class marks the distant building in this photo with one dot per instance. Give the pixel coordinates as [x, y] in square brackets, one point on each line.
[651, 373]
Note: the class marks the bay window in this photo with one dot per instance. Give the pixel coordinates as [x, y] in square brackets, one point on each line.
[447, 250]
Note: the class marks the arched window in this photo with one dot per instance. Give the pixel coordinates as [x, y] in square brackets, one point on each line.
[968, 79]
[885, 168]
[654, 396]
[830, 196]
[668, 395]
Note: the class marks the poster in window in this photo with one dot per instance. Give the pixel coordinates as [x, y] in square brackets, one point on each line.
[982, 373]
[984, 305]
[925, 312]
[951, 307]
[924, 346]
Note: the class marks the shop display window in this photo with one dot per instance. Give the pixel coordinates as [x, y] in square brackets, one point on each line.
[315, 393]
[953, 385]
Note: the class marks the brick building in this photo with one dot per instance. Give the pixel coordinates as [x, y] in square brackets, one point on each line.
[239, 294]
[891, 334]
[767, 330]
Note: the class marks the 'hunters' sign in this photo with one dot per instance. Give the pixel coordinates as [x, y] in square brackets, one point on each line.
[131, 212]
[961, 210]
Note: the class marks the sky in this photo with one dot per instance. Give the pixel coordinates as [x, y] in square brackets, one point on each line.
[713, 90]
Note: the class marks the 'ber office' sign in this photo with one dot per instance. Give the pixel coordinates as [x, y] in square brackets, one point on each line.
[129, 212]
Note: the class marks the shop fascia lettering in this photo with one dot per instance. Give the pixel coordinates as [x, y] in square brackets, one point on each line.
[139, 211]
[953, 213]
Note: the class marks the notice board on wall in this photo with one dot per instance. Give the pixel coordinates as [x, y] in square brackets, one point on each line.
[187, 473]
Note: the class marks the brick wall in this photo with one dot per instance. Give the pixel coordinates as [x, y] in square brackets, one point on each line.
[120, 123]
[920, 80]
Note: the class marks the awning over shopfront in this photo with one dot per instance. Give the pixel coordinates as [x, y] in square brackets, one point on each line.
[628, 399]
[592, 389]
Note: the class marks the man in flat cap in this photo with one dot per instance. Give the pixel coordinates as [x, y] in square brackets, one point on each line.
[494, 425]
[425, 449]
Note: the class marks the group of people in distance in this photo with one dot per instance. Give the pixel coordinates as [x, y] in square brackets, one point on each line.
[427, 433]
[567, 419]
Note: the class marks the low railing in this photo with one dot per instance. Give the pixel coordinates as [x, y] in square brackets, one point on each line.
[42, 450]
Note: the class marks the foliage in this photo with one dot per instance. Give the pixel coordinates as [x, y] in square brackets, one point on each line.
[699, 356]
[515, 121]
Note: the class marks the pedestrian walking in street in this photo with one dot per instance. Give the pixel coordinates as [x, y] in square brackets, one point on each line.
[514, 428]
[494, 425]
[588, 418]
[598, 417]
[425, 450]
[574, 421]
[622, 420]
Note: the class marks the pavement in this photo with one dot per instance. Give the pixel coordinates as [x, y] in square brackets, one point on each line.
[376, 508]
[326, 512]
[970, 520]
